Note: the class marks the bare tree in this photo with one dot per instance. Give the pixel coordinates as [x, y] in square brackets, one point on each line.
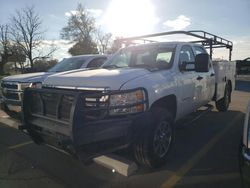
[116, 45]
[5, 46]
[26, 31]
[103, 40]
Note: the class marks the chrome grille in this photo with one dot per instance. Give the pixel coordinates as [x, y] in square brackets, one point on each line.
[36, 101]
[65, 107]
[95, 107]
[9, 85]
[10, 91]
[53, 105]
[50, 103]
[11, 96]
[57, 104]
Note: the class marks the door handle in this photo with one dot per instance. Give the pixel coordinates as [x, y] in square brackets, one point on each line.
[212, 74]
[199, 78]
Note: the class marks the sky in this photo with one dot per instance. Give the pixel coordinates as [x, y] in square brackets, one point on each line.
[229, 19]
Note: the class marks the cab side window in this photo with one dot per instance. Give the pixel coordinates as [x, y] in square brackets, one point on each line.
[186, 58]
[199, 50]
[96, 62]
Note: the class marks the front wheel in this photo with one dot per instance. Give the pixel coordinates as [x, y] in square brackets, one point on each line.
[153, 145]
[223, 104]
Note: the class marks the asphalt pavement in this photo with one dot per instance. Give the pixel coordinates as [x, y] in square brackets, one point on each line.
[204, 155]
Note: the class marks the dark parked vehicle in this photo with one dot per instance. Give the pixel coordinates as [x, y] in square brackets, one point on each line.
[245, 150]
[243, 66]
[13, 86]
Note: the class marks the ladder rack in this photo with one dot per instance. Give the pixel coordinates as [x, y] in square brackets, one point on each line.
[208, 40]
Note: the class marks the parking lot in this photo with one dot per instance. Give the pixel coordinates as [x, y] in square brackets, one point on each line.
[205, 154]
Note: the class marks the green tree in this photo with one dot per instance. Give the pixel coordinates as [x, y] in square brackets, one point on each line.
[83, 47]
[41, 65]
[5, 46]
[17, 57]
[80, 29]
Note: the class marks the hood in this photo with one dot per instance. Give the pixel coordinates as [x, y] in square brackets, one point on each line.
[99, 78]
[29, 77]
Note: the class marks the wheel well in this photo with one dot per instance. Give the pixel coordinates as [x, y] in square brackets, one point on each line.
[169, 102]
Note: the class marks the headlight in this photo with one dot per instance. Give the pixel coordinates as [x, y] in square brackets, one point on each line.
[128, 103]
[24, 85]
[36, 85]
[246, 131]
[32, 85]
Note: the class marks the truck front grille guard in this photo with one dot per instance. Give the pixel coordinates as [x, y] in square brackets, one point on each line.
[67, 108]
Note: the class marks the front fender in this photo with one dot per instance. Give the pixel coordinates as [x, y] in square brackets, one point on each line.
[158, 85]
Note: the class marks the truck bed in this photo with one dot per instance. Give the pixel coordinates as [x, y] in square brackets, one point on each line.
[224, 71]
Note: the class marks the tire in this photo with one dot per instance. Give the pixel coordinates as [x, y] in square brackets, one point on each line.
[154, 143]
[223, 104]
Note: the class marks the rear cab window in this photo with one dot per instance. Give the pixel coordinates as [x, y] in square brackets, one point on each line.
[200, 50]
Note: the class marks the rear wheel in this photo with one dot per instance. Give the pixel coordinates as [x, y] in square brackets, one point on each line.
[223, 104]
[153, 146]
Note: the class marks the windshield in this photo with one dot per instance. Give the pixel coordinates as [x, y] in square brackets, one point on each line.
[68, 64]
[156, 57]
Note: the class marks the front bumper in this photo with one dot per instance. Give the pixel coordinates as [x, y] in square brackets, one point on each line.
[10, 106]
[11, 102]
[11, 97]
[78, 135]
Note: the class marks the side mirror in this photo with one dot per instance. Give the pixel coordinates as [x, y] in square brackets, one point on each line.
[202, 63]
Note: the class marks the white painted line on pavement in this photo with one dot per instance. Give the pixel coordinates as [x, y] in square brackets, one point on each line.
[172, 181]
[116, 164]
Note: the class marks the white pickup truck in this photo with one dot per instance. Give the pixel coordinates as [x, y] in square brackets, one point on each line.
[12, 86]
[134, 99]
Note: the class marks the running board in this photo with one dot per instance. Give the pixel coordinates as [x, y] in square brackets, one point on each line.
[189, 119]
